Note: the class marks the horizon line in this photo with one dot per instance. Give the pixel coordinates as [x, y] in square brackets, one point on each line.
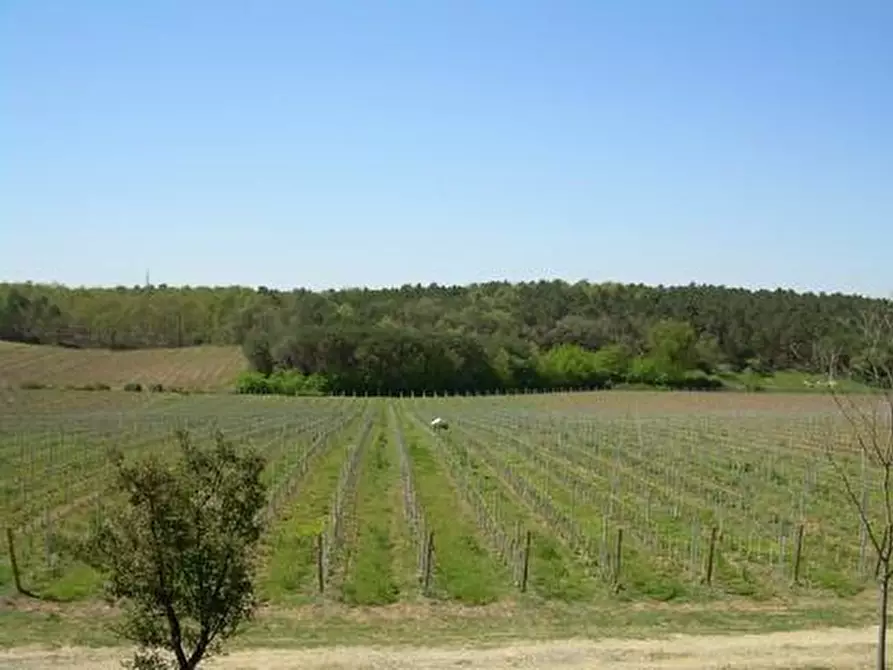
[434, 284]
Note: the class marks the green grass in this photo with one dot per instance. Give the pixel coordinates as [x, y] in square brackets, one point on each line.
[579, 495]
[441, 624]
[756, 475]
[552, 571]
[372, 579]
[55, 472]
[792, 381]
[571, 469]
[289, 570]
[465, 571]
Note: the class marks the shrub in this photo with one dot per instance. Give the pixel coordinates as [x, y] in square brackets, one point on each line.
[286, 382]
[93, 386]
[292, 382]
[612, 361]
[134, 387]
[156, 388]
[645, 370]
[572, 366]
[282, 382]
[253, 382]
[33, 386]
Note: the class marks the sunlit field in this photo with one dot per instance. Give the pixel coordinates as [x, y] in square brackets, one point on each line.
[574, 498]
[187, 368]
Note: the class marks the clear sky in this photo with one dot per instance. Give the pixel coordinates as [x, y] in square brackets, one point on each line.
[365, 142]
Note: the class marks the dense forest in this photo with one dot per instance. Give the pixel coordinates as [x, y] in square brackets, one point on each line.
[496, 335]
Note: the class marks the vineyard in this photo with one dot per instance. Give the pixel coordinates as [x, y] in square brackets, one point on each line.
[572, 498]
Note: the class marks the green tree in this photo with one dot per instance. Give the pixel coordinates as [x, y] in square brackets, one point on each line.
[570, 365]
[709, 353]
[646, 370]
[328, 332]
[613, 361]
[179, 550]
[257, 350]
[672, 345]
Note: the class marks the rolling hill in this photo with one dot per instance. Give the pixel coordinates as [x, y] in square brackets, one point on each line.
[194, 368]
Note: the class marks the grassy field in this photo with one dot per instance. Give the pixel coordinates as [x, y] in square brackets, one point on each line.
[194, 368]
[621, 495]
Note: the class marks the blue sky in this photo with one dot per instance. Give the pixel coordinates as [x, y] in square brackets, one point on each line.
[325, 144]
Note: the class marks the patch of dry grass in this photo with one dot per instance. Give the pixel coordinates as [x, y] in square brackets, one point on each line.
[403, 629]
[194, 368]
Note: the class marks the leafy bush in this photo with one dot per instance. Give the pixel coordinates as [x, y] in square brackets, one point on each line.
[156, 388]
[571, 366]
[646, 370]
[134, 387]
[282, 382]
[612, 362]
[254, 383]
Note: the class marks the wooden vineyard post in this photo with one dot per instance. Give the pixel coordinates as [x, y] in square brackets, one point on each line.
[14, 561]
[420, 556]
[798, 552]
[429, 561]
[782, 546]
[695, 554]
[648, 507]
[618, 555]
[320, 567]
[526, 569]
[710, 553]
[516, 548]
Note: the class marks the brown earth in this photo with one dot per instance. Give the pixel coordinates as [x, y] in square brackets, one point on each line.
[205, 367]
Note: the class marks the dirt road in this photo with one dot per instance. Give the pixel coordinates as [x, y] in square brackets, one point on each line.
[831, 648]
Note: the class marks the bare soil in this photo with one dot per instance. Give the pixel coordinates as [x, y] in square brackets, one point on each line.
[202, 367]
[830, 648]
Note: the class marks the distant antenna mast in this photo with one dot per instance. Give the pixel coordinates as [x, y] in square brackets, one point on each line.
[148, 283]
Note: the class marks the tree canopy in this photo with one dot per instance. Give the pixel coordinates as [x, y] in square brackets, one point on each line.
[179, 548]
[481, 336]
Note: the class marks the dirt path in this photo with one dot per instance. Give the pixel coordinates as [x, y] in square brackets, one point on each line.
[831, 648]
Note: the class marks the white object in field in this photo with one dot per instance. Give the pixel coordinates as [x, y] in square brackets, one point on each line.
[438, 423]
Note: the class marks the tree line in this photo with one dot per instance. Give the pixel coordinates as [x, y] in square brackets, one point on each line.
[496, 335]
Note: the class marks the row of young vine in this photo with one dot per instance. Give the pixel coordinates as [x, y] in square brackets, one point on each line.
[684, 489]
[412, 507]
[341, 524]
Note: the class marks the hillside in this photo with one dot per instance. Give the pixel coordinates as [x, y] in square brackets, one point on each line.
[460, 338]
[202, 368]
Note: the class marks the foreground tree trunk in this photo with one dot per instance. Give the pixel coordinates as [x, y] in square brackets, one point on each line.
[870, 419]
[884, 593]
